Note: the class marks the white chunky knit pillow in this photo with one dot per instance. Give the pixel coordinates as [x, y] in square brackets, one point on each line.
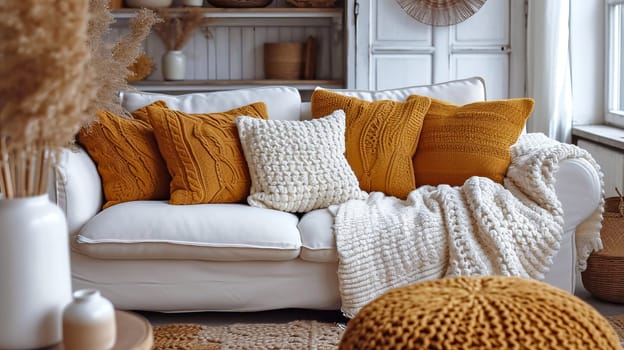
[298, 166]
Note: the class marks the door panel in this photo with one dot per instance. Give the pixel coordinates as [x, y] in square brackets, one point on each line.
[400, 70]
[494, 68]
[488, 27]
[392, 49]
[392, 26]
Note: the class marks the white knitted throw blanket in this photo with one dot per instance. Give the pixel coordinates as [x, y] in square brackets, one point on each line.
[479, 228]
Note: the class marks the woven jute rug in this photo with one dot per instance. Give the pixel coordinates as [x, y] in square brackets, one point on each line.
[617, 322]
[298, 335]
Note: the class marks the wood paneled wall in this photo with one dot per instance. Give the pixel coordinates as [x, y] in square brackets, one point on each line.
[225, 50]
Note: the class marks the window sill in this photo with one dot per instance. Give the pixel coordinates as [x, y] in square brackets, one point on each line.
[603, 134]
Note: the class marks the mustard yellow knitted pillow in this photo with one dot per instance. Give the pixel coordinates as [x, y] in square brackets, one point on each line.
[458, 142]
[479, 313]
[381, 138]
[203, 153]
[127, 157]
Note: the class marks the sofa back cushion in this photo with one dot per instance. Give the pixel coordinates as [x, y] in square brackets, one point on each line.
[459, 92]
[283, 103]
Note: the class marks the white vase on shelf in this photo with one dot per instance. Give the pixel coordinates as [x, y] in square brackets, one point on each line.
[193, 3]
[89, 322]
[35, 277]
[174, 65]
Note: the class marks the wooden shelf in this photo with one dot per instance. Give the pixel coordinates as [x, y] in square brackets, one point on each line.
[283, 16]
[243, 12]
[270, 17]
[213, 85]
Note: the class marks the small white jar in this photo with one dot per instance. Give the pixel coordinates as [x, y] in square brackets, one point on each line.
[89, 322]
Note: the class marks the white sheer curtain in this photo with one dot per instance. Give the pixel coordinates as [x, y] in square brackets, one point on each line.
[548, 68]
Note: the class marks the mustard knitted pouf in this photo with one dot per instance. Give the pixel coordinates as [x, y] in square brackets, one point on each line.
[478, 313]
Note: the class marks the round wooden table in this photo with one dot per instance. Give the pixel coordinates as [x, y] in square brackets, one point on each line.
[134, 332]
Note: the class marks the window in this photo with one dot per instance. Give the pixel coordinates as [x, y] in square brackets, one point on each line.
[615, 62]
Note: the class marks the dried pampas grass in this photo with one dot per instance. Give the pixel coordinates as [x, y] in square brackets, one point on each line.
[175, 31]
[56, 73]
[45, 86]
[111, 62]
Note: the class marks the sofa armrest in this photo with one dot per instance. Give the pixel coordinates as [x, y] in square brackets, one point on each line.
[77, 187]
[579, 190]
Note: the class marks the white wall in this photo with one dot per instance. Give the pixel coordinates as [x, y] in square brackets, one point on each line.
[587, 60]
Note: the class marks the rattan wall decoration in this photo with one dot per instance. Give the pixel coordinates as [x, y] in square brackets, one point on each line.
[441, 12]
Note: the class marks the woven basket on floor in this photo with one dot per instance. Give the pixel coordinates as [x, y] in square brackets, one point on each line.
[604, 277]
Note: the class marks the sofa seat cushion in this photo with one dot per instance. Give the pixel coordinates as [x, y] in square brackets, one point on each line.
[318, 243]
[219, 232]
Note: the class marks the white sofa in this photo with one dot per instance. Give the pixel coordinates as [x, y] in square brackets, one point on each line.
[149, 255]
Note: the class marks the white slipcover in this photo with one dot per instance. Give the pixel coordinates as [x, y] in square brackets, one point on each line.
[140, 257]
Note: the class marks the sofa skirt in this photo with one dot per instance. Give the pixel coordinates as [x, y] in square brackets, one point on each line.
[197, 285]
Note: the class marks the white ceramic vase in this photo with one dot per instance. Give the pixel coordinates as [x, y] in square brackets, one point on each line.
[89, 322]
[174, 65]
[35, 280]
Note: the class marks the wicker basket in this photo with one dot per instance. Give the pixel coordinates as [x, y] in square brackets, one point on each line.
[604, 277]
[312, 3]
[283, 60]
[239, 3]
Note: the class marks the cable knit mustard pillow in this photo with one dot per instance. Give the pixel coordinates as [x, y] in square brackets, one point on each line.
[458, 142]
[381, 138]
[298, 166]
[127, 157]
[203, 153]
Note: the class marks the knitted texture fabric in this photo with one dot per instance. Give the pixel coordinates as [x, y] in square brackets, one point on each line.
[479, 313]
[480, 228]
[298, 166]
[203, 153]
[458, 142]
[381, 138]
[127, 157]
[534, 161]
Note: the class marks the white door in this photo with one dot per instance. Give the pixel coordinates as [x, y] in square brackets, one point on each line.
[389, 49]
